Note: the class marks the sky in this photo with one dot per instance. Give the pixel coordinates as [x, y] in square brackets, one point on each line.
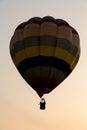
[66, 106]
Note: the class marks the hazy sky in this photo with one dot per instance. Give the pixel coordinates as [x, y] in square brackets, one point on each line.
[66, 107]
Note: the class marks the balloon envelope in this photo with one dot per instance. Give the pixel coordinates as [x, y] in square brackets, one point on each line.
[45, 51]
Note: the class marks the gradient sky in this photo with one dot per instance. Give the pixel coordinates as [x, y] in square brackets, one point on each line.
[66, 107]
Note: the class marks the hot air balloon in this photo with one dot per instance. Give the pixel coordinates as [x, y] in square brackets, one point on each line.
[45, 51]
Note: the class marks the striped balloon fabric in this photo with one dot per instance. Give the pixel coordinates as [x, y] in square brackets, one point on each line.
[45, 51]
